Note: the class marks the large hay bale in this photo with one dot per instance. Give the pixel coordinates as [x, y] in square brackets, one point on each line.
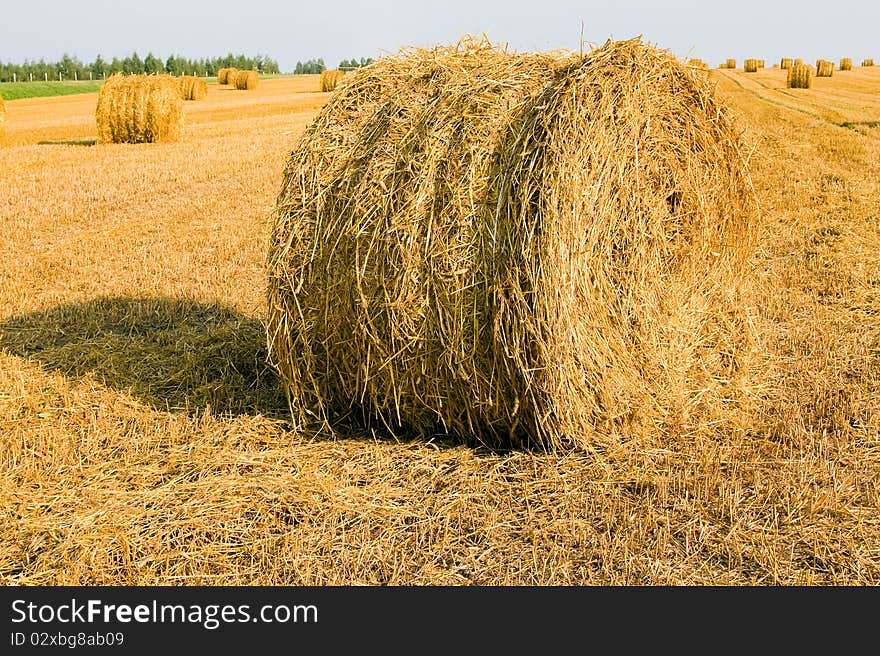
[515, 249]
[731, 63]
[192, 88]
[800, 77]
[846, 64]
[329, 79]
[139, 109]
[867, 62]
[786, 63]
[246, 80]
[750, 65]
[824, 68]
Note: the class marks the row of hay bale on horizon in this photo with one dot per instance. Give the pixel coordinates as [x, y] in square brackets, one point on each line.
[800, 75]
[149, 108]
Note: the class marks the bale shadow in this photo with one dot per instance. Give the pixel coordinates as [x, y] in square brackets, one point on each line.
[69, 142]
[173, 354]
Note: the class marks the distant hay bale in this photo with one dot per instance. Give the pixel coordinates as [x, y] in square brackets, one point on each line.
[698, 64]
[786, 63]
[750, 65]
[226, 76]
[246, 80]
[867, 62]
[761, 63]
[846, 64]
[798, 62]
[514, 249]
[139, 109]
[731, 63]
[192, 88]
[329, 79]
[824, 68]
[800, 77]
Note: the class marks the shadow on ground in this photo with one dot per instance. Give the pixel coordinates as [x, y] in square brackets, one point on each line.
[70, 142]
[173, 354]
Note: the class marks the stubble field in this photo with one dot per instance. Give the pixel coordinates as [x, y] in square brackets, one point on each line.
[144, 441]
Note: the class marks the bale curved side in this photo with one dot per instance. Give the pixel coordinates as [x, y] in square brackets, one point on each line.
[786, 63]
[517, 249]
[750, 66]
[246, 80]
[139, 109]
[846, 64]
[800, 77]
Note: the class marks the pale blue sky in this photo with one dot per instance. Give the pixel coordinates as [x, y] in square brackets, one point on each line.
[291, 31]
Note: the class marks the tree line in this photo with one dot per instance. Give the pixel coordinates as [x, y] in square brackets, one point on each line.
[71, 67]
[317, 65]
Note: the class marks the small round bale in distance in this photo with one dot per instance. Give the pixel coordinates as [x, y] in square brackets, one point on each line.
[192, 87]
[731, 63]
[514, 249]
[867, 62]
[846, 64]
[824, 68]
[800, 77]
[750, 66]
[139, 109]
[329, 80]
[786, 63]
[222, 75]
[246, 80]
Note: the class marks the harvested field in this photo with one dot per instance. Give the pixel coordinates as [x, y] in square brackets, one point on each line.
[143, 440]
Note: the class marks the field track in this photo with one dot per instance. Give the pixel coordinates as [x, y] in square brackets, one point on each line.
[142, 440]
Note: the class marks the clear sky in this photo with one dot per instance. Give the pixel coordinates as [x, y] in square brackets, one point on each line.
[291, 31]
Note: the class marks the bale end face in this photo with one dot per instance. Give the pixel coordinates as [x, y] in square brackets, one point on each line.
[139, 109]
[457, 267]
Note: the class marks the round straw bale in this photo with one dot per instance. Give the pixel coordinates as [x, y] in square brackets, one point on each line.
[846, 64]
[231, 73]
[246, 80]
[731, 63]
[799, 62]
[192, 87]
[824, 68]
[786, 63]
[867, 62]
[800, 77]
[139, 109]
[750, 65]
[221, 75]
[517, 249]
[329, 79]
